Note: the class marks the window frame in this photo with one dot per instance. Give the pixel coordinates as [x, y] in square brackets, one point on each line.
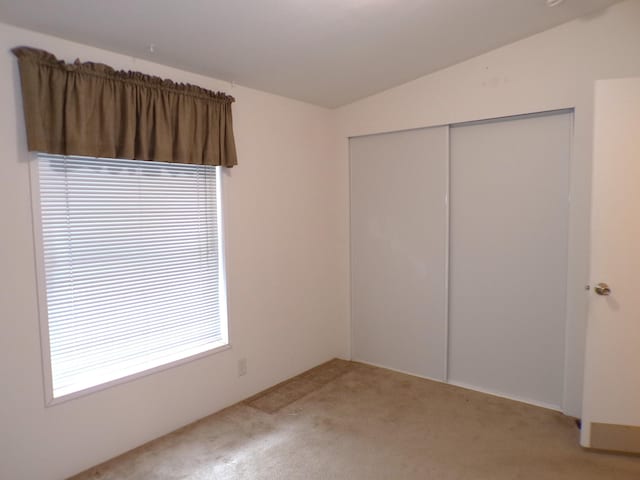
[42, 304]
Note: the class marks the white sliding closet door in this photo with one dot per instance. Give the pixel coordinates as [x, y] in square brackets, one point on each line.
[399, 249]
[508, 256]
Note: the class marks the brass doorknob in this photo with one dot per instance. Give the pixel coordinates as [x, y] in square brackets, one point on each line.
[602, 289]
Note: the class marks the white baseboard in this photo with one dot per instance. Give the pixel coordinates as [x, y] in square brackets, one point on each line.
[528, 401]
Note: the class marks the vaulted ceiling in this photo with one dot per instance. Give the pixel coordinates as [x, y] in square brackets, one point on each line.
[326, 52]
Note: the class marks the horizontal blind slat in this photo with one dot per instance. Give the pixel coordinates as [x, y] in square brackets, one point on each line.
[85, 315]
[80, 317]
[132, 345]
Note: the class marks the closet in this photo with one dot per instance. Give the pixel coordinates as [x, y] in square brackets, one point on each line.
[459, 253]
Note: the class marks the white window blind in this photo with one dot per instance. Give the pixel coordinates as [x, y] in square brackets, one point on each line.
[132, 267]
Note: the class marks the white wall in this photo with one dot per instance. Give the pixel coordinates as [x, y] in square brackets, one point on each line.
[286, 276]
[552, 70]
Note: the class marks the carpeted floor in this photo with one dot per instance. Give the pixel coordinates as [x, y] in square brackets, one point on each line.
[346, 420]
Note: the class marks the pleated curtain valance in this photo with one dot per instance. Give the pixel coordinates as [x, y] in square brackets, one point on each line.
[91, 110]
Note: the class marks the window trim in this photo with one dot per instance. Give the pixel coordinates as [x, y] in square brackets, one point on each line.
[41, 293]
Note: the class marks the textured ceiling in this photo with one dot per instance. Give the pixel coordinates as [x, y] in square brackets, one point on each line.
[326, 52]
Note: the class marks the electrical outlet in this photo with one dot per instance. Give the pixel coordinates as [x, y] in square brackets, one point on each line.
[242, 367]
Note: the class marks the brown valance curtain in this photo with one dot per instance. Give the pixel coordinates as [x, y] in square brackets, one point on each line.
[90, 109]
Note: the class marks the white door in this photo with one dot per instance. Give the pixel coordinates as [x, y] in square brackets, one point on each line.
[508, 260]
[611, 401]
[399, 250]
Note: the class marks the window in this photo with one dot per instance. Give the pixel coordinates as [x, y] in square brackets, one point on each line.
[130, 268]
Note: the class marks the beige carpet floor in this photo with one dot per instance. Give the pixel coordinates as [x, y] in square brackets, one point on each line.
[346, 420]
